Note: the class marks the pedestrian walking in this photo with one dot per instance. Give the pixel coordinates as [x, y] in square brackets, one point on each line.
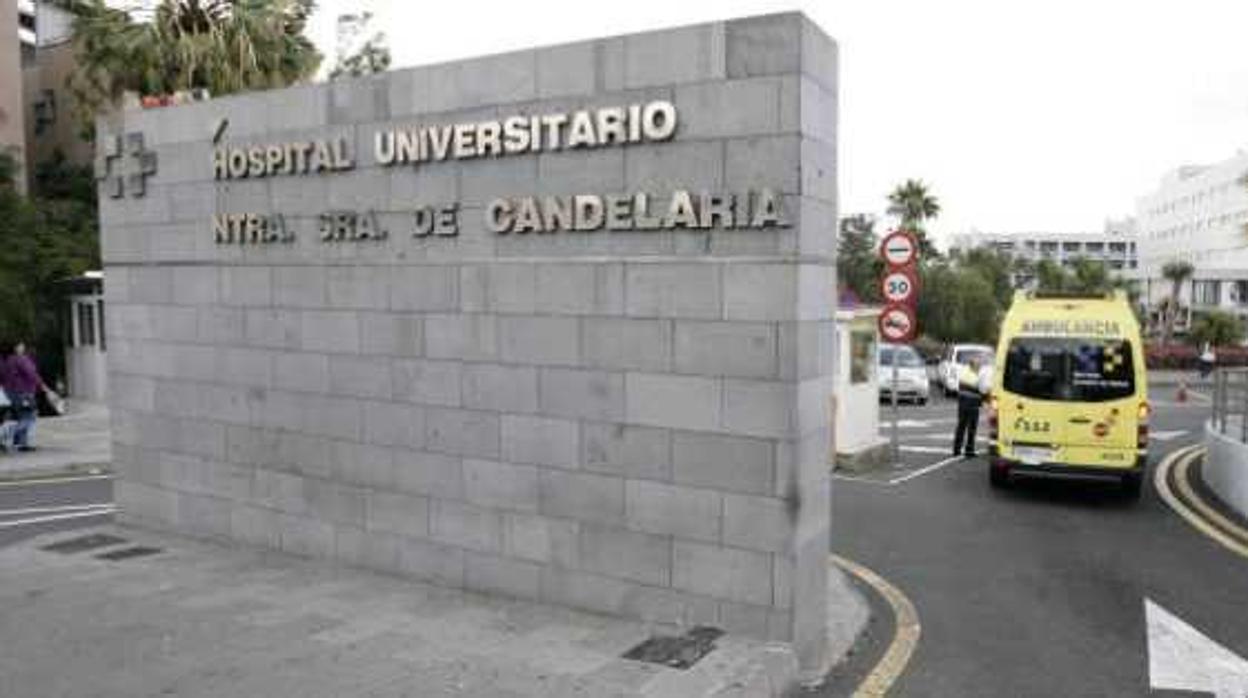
[1207, 361]
[972, 389]
[21, 383]
[7, 423]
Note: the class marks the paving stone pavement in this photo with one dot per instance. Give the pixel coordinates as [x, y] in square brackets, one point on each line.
[205, 619]
[80, 439]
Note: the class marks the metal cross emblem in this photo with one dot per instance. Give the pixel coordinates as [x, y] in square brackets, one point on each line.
[123, 168]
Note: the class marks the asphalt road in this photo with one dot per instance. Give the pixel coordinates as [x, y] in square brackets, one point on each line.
[1034, 591]
[1038, 590]
[52, 504]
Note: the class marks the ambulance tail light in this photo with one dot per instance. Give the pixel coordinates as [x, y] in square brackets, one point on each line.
[992, 419]
[1142, 430]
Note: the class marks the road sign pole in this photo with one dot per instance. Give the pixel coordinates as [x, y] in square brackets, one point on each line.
[899, 251]
[896, 412]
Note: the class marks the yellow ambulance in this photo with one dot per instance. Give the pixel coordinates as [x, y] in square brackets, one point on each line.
[1070, 391]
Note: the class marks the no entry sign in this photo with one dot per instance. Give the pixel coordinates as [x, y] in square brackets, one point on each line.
[899, 248]
[899, 286]
[897, 323]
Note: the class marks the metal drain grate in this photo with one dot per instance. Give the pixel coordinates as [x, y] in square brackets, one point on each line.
[81, 543]
[127, 553]
[677, 652]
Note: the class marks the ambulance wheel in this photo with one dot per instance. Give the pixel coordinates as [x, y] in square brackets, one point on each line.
[999, 477]
[1132, 485]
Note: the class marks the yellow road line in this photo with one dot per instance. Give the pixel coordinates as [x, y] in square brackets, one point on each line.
[905, 638]
[1200, 515]
[1182, 479]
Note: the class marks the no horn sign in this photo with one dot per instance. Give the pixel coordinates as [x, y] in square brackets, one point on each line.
[897, 323]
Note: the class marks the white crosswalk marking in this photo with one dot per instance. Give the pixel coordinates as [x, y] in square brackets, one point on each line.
[923, 449]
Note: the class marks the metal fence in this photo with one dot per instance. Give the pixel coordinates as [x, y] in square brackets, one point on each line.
[1230, 402]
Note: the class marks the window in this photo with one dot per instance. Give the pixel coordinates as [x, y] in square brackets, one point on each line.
[67, 325]
[964, 356]
[100, 309]
[1239, 292]
[86, 325]
[1070, 369]
[907, 357]
[861, 355]
[1207, 292]
[1070, 246]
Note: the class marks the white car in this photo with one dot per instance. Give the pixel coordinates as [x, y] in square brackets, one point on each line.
[912, 383]
[957, 357]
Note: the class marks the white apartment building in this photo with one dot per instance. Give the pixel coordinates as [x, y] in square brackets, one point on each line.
[1115, 246]
[1199, 213]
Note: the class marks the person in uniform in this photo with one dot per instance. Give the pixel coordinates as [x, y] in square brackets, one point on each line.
[972, 389]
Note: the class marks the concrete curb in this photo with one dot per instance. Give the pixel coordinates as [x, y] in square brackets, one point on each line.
[772, 671]
[55, 471]
[1225, 471]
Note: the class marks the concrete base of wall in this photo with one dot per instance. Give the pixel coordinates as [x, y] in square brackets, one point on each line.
[1225, 470]
[848, 613]
[871, 456]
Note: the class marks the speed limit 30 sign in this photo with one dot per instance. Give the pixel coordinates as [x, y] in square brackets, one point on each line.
[899, 286]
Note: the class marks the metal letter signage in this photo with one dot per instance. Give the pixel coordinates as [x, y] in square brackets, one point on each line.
[517, 134]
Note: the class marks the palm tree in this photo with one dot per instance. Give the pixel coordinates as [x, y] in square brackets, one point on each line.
[222, 46]
[1176, 271]
[913, 204]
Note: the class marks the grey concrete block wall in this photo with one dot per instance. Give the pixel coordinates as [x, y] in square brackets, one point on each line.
[634, 421]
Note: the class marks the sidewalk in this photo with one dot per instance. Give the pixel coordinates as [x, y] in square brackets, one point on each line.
[203, 619]
[78, 440]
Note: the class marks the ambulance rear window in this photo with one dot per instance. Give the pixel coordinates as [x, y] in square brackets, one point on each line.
[1070, 369]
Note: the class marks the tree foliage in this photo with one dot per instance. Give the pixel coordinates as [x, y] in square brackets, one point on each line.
[994, 267]
[858, 263]
[373, 56]
[914, 204]
[958, 303]
[1217, 328]
[1176, 271]
[222, 46]
[44, 239]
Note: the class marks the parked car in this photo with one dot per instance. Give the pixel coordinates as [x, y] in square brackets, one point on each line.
[957, 357]
[912, 381]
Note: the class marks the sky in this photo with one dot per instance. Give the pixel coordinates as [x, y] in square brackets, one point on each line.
[1048, 115]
